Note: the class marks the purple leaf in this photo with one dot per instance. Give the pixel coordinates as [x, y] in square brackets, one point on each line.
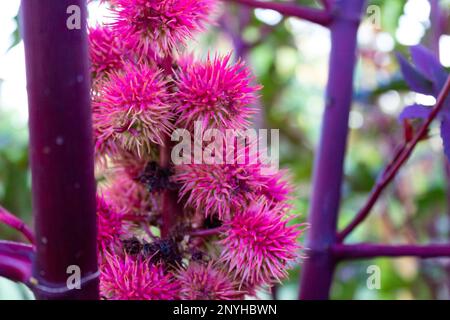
[427, 63]
[415, 111]
[415, 80]
[445, 135]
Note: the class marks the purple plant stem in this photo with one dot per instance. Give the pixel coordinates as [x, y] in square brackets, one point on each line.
[207, 232]
[61, 147]
[397, 162]
[318, 16]
[17, 224]
[318, 269]
[171, 208]
[16, 261]
[169, 200]
[362, 251]
[326, 4]
[233, 26]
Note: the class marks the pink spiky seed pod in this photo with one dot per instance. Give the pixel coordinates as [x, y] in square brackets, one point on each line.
[127, 163]
[132, 109]
[216, 93]
[104, 143]
[109, 225]
[200, 281]
[130, 197]
[161, 24]
[278, 189]
[258, 245]
[218, 189]
[125, 278]
[105, 51]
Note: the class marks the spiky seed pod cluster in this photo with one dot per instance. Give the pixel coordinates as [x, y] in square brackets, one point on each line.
[125, 278]
[215, 93]
[258, 244]
[110, 225]
[232, 234]
[129, 196]
[219, 189]
[207, 282]
[162, 24]
[133, 109]
[106, 51]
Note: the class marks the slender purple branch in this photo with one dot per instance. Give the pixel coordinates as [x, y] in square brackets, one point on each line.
[328, 167]
[61, 145]
[363, 250]
[397, 162]
[318, 16]
[16, 261]
[148, 231]
[326, 4]
[207, 232]
[17, 224]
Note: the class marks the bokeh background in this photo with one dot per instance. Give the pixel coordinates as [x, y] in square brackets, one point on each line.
[290, 58]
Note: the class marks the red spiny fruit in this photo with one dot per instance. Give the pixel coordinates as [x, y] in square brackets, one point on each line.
[129, 196]
[219, 189]
[277, 188]
[126, 278]
[132, 109]
[104, 141]
[109, 225]
[126, 162]
[160, 24]
[105, 51]
[216, 93]
[200, 281]
[258, 246]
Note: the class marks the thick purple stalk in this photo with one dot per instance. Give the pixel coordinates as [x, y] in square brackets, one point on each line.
[367, 250]
[318, 269]
[61, 147]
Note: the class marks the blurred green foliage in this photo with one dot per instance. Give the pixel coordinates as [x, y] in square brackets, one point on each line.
[15, 191]
[14, 173]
